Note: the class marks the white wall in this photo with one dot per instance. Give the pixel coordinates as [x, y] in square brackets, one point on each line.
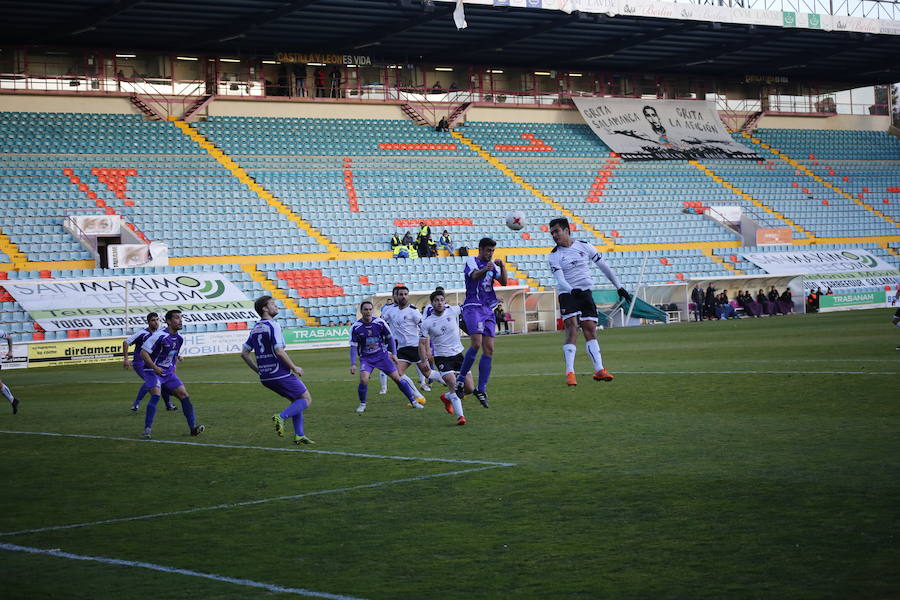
[320, 110]
[523, 115]
[873, 123]
[65, 104]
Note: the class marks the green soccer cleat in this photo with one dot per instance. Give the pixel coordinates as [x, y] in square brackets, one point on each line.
[279, 425]
[302, 439]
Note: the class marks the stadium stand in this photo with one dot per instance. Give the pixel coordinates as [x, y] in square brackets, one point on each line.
[303, 208]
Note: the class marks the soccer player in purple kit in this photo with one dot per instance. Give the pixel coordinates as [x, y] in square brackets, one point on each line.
[275, 368]
[480, 273]
[160, 355]
[137, 363]
[371, 340]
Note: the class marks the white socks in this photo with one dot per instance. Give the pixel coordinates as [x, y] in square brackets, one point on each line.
[435, 376]
[569, 353]
[7, 393]
[457, 405]
[593, 350]
[412, 385]
[384, 379]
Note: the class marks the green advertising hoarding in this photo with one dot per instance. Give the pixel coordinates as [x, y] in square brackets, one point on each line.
[848, 301]
[324, 336]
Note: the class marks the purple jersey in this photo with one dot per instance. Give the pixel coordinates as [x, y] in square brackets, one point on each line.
[264, 339]
[372, 339]
[481, 292]
[137, 339]
[163, 348]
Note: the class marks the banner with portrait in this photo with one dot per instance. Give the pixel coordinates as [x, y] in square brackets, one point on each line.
[638, 129]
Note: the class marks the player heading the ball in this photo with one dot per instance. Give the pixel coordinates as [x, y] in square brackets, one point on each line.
[570, 263]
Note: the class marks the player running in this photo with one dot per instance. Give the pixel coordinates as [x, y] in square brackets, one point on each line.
[14, 402]
[480, 273]
[570, 264]
[160, 355]
[371, 340]
[275, 368]
[442, 327]
[405, 321]
[137, 363]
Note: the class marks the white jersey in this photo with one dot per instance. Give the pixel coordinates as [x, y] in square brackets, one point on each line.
[444, 331]
[404, 323]
[571, 266]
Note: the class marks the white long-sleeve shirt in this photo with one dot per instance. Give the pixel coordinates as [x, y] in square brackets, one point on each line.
[571, 267]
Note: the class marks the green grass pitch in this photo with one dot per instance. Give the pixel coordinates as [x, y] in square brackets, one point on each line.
[740, 459]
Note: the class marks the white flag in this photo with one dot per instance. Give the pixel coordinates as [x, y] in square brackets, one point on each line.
[459, 15]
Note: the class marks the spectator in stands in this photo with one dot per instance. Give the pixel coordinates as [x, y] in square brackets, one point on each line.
[401, 251]
[335, 78]
[422, 239]
[424, 230]
[436, 88]
[446, 242]
[395, 241]
[300, 80]
[443, 125]
[319, 80]
[432, 247]
[697, 299]
[828, 292]
[407, 239]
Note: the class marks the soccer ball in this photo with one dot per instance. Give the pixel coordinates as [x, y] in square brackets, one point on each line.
[515, 220]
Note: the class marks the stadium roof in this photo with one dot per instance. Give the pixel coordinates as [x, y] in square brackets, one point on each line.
[420, 31]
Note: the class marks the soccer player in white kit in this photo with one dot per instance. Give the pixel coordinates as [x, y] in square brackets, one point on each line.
[570, 264]
[896, 319]
[13, 401]
[405, 321]
[442, 326]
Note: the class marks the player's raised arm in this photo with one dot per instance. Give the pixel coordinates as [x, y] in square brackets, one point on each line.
[502, 278]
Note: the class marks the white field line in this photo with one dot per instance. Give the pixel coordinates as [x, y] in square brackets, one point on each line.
[175, 570]
[229, 505]
[554, 374]
[262, 448]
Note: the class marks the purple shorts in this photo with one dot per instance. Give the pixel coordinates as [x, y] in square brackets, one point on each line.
[139, 369]
[168, 380]
[480, 319]
[290, 387]
[377, 361]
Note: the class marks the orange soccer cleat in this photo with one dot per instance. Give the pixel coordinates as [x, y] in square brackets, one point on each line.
[448, 406]
[570, 379]
[603, 375]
